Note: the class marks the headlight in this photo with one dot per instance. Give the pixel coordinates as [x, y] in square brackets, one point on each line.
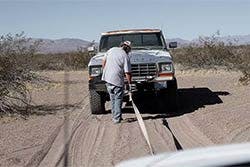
[165, 67]
[95, 71]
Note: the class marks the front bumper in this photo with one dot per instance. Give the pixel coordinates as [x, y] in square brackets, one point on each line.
[152, 79]
[138, 83]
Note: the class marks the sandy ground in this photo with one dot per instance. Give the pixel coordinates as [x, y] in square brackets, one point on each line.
[213, 109]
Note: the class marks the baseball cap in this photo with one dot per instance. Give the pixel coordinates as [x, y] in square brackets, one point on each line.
[128, 43]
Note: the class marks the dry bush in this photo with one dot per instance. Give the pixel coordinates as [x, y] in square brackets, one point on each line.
[77, 60]
[19, 62]
[243, 53]
[211, 53]
[60, 61]
[15, 72]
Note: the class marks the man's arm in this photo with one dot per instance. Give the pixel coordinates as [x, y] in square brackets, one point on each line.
[103, 62]
[128, 77]
[127, 69]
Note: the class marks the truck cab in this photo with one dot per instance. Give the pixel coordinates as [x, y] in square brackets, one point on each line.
[151, 63]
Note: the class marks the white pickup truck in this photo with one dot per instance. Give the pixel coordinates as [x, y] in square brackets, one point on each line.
[152, 66]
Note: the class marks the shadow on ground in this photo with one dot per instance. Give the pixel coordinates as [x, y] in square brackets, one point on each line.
[189, 100]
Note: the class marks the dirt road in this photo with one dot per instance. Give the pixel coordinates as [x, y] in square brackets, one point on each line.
[213, 109]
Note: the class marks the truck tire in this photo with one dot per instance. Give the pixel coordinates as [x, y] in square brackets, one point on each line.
[172, 85]
[168, 98]
[97, 102]
[172, 96]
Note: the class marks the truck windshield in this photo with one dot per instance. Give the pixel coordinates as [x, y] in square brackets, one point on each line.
[139, 41]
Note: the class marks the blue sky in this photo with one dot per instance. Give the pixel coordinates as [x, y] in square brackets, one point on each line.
[86, 19]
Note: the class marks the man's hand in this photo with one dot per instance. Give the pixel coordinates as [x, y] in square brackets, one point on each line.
[128, 77]
[130, 91]
[130, 87]
[130, 96]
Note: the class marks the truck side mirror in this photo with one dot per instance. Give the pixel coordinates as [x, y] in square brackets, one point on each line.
[91, 49]
[173, 45]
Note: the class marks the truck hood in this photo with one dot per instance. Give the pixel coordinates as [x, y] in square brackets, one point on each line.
[138, 56]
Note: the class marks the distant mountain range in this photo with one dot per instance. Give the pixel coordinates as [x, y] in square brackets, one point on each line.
[234, 39]
[62, 45]
[71, 44]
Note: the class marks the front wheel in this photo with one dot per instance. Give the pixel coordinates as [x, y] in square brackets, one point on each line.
[97, 102]
[172, 96]
[168, 98]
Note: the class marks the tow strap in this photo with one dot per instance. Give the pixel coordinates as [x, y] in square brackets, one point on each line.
[141, 124]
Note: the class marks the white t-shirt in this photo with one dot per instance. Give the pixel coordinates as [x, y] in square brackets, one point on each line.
[117, 63]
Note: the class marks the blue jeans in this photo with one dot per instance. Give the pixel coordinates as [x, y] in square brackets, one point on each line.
[116, 97]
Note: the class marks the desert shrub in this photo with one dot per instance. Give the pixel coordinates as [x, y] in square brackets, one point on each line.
[211, 53]
[19, 62]
[77, 60]
[243, 62]
[15, 72]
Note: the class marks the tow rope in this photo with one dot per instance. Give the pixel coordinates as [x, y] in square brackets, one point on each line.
[141, 124]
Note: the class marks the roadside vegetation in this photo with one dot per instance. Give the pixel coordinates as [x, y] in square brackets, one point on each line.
[60, 61]
[20, 64]
[211, 53]
[15, 72]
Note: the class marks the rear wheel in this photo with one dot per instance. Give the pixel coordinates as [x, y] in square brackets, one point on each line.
[97, 102]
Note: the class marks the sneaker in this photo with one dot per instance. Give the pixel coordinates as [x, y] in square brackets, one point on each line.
[117, 121]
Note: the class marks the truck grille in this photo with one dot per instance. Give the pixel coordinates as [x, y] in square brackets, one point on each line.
[139, 70]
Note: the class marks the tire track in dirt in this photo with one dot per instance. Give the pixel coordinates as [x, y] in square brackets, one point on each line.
[129, 143]
[187, 135]
[96, 141]
[101, 143]
[84, 143]
[86, 138]
[39, 156]
[57, 148]
[161, 138]
[103, 153]
[80, 124]
[242, 135]
[239, 133]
